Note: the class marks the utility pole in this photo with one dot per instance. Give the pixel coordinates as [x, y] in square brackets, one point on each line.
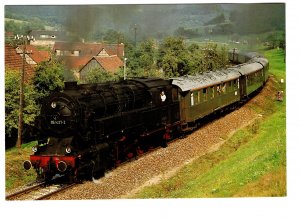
[21, 104]
[125, 59]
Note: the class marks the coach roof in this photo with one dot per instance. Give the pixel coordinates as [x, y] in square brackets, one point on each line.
[248, 68]
[186, 83]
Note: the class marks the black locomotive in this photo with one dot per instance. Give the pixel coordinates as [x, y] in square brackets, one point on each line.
[90, 128]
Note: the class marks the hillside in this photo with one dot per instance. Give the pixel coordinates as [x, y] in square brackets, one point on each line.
[155, 20]
[250, 163]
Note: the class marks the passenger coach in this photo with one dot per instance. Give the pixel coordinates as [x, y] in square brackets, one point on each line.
[206, 93]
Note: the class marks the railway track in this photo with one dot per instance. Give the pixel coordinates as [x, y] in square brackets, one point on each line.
[38, 191]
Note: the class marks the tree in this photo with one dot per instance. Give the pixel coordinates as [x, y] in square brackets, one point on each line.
[12, 99]
[276, 39]
[206, 58]
[147, 57]
[49, 77]
[112, 36]
[172, 57]
[214, 59]
[98, 75]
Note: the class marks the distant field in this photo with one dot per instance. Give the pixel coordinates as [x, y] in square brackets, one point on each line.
[17, 21]
[256, 168]
[26, 22]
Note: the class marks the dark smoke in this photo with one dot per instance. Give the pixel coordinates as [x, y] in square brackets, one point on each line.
[81, 20]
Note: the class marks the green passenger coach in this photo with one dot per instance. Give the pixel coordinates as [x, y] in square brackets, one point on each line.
[206, 93]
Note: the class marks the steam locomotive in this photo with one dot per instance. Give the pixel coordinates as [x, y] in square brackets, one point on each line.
[89, 128]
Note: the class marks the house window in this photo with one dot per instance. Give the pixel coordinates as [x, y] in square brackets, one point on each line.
[75, 53]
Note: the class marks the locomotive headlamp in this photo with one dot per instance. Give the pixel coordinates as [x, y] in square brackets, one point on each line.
[34, 149]
[68, 150]
[53, 104]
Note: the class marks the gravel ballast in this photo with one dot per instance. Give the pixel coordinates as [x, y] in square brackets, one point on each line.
[149, 169]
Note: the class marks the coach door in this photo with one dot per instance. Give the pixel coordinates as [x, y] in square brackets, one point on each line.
[243, 86]
[184, 104]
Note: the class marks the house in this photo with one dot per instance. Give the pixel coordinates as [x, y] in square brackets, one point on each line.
[9, 36]
[79, 57]
[32, 55]
[107, 63]
[14, 61]
[87, 49]
[47, 38]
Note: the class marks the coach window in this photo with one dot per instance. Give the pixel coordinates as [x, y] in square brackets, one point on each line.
[196, 97]
[199, 94]
[230, 86]
[192, 99]
[212, 91]
[218, 90]
[224, 88]
[204, 94]
[234, 83]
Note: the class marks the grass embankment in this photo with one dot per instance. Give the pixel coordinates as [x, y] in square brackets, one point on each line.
[15, 174]
[251, 163]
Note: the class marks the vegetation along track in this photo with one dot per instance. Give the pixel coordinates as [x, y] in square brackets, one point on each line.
[149, 169]
[37, 191]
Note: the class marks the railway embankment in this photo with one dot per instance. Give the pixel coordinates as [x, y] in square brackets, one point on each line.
[251, 163]
[240, 154]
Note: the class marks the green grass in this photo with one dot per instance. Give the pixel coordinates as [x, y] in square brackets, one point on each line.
[15, 174]
[251, 163]
[276, 59]
[245, 158]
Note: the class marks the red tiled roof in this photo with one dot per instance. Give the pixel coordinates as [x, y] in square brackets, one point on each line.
[75, 62]
[36, 55]
[15, 62]
[45, 54]
[110, 64]
[90, 49]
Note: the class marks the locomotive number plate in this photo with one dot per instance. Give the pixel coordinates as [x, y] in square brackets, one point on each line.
[57, 122]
